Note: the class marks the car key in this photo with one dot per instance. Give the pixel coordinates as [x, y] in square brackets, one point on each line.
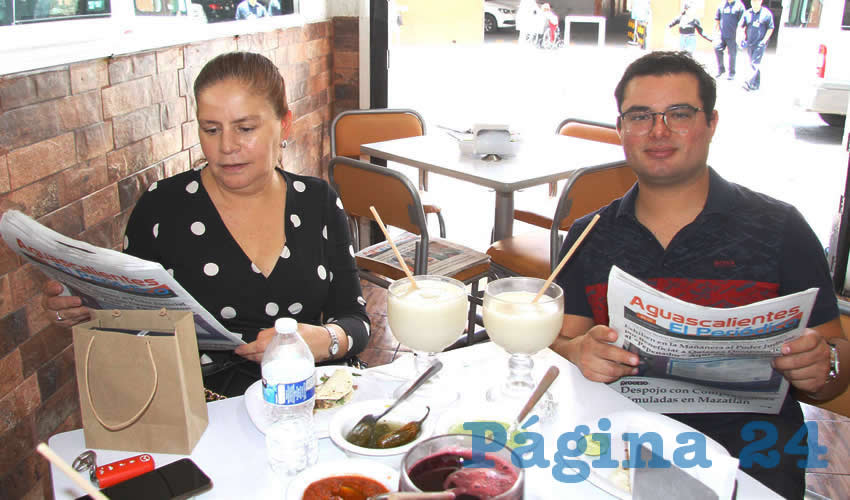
[107, 475]
[122, 470]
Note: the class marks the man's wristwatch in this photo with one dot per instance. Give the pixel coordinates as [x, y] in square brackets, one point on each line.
[833, 362]
[333, 349]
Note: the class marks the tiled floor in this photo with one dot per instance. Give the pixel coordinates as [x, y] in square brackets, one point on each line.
[832, 481]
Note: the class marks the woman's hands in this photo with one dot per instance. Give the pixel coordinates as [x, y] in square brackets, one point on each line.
[317, 338]
[67, 310]
[255, 350]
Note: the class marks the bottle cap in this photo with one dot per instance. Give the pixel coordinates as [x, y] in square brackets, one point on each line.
[285, 325]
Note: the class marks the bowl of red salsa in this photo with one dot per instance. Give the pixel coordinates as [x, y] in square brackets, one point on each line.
[445, 463]
[346, 479]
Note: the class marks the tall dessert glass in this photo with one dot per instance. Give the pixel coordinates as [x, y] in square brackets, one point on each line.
[427, 319]
[522, 328]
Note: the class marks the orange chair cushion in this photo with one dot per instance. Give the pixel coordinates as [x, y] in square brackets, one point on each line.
[526, 254]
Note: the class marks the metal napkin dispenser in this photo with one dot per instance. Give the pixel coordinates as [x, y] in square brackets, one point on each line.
[492, 140]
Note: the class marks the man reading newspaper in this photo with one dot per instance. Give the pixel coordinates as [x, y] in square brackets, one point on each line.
[686, 231]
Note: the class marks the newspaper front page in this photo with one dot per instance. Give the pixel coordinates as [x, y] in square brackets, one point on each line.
[106, 279]
[444, 257]
[696, 359]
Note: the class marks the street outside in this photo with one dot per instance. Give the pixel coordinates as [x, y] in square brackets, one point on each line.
[762, 141]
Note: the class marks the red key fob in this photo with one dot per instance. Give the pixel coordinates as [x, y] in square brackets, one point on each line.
[122, 470]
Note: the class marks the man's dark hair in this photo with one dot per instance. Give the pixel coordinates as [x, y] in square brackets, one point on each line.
[670, 63]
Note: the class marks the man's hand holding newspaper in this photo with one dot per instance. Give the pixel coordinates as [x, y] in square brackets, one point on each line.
[805, 362]
[600, 360]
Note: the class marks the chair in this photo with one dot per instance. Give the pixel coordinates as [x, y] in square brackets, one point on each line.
[590, 130]
[536, 253]
[361, 185]
[351, 129]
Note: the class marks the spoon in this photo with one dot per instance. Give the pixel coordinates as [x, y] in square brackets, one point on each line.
[362, 434]
[550, 376]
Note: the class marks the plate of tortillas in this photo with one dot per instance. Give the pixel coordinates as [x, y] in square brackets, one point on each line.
[336, 386]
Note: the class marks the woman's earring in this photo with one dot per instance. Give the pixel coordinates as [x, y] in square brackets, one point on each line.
[283, 144]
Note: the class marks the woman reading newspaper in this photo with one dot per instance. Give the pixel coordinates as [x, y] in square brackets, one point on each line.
[250, 241]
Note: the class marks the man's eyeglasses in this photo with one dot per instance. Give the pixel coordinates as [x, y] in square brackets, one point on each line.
[679, 119]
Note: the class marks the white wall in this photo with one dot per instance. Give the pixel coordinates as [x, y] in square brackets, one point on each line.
[314, 10]
[343, 8]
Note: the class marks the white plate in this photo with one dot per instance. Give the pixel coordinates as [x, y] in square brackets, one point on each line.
[638, 421]
[321, 418]
[383, 474]
[406, 411]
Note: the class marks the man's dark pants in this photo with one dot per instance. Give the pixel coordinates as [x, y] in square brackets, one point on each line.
[756, 52]
[730, 45]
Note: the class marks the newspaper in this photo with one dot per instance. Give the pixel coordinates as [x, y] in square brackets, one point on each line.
[696, 359]
[444, 257]
[106, 279]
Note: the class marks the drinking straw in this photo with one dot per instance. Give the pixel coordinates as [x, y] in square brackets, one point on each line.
[566, 258]
[74, 475]
[395, 248]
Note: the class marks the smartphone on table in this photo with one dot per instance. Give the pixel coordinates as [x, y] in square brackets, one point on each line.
[177, 480]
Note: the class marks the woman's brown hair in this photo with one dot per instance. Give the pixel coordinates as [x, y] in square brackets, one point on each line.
[256, 71]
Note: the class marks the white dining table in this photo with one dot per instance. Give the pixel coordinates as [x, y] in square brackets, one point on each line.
[538, 160]
[232, 450]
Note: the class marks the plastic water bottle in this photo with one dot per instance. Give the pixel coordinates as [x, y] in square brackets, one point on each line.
[289, 371]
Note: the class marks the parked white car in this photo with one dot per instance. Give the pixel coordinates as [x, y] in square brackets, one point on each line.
[499, 14]
[827, 91]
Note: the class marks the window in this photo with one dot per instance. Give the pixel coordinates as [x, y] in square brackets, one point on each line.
[28, 11]
[805, 13]
[70, 31]
[229, 10]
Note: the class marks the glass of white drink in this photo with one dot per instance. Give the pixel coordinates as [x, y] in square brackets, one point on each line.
[522, 328]
[427, 318]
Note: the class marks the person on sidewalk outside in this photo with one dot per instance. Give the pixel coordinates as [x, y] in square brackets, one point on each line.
[685, 230]
[726, 20]
[689, 26]
[527, 22]
[754, 31]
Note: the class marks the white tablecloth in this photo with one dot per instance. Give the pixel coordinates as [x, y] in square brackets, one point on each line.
[232, 450]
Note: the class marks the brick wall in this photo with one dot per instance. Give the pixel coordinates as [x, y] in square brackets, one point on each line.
[78, 144]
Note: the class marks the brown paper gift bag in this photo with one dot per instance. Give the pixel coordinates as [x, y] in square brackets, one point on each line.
[140, 393]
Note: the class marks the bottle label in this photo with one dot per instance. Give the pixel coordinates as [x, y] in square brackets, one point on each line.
[289, 394]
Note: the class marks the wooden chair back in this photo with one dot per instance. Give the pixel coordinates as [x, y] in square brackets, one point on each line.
[361, 185]
[591, 189]
[351, 129]
[588, 190]
[592, 131]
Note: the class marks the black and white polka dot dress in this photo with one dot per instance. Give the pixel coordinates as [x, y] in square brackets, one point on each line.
[314, 280]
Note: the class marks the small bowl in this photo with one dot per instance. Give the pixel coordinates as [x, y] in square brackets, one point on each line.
[463, 445]
[342, 423]
[381, 473]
